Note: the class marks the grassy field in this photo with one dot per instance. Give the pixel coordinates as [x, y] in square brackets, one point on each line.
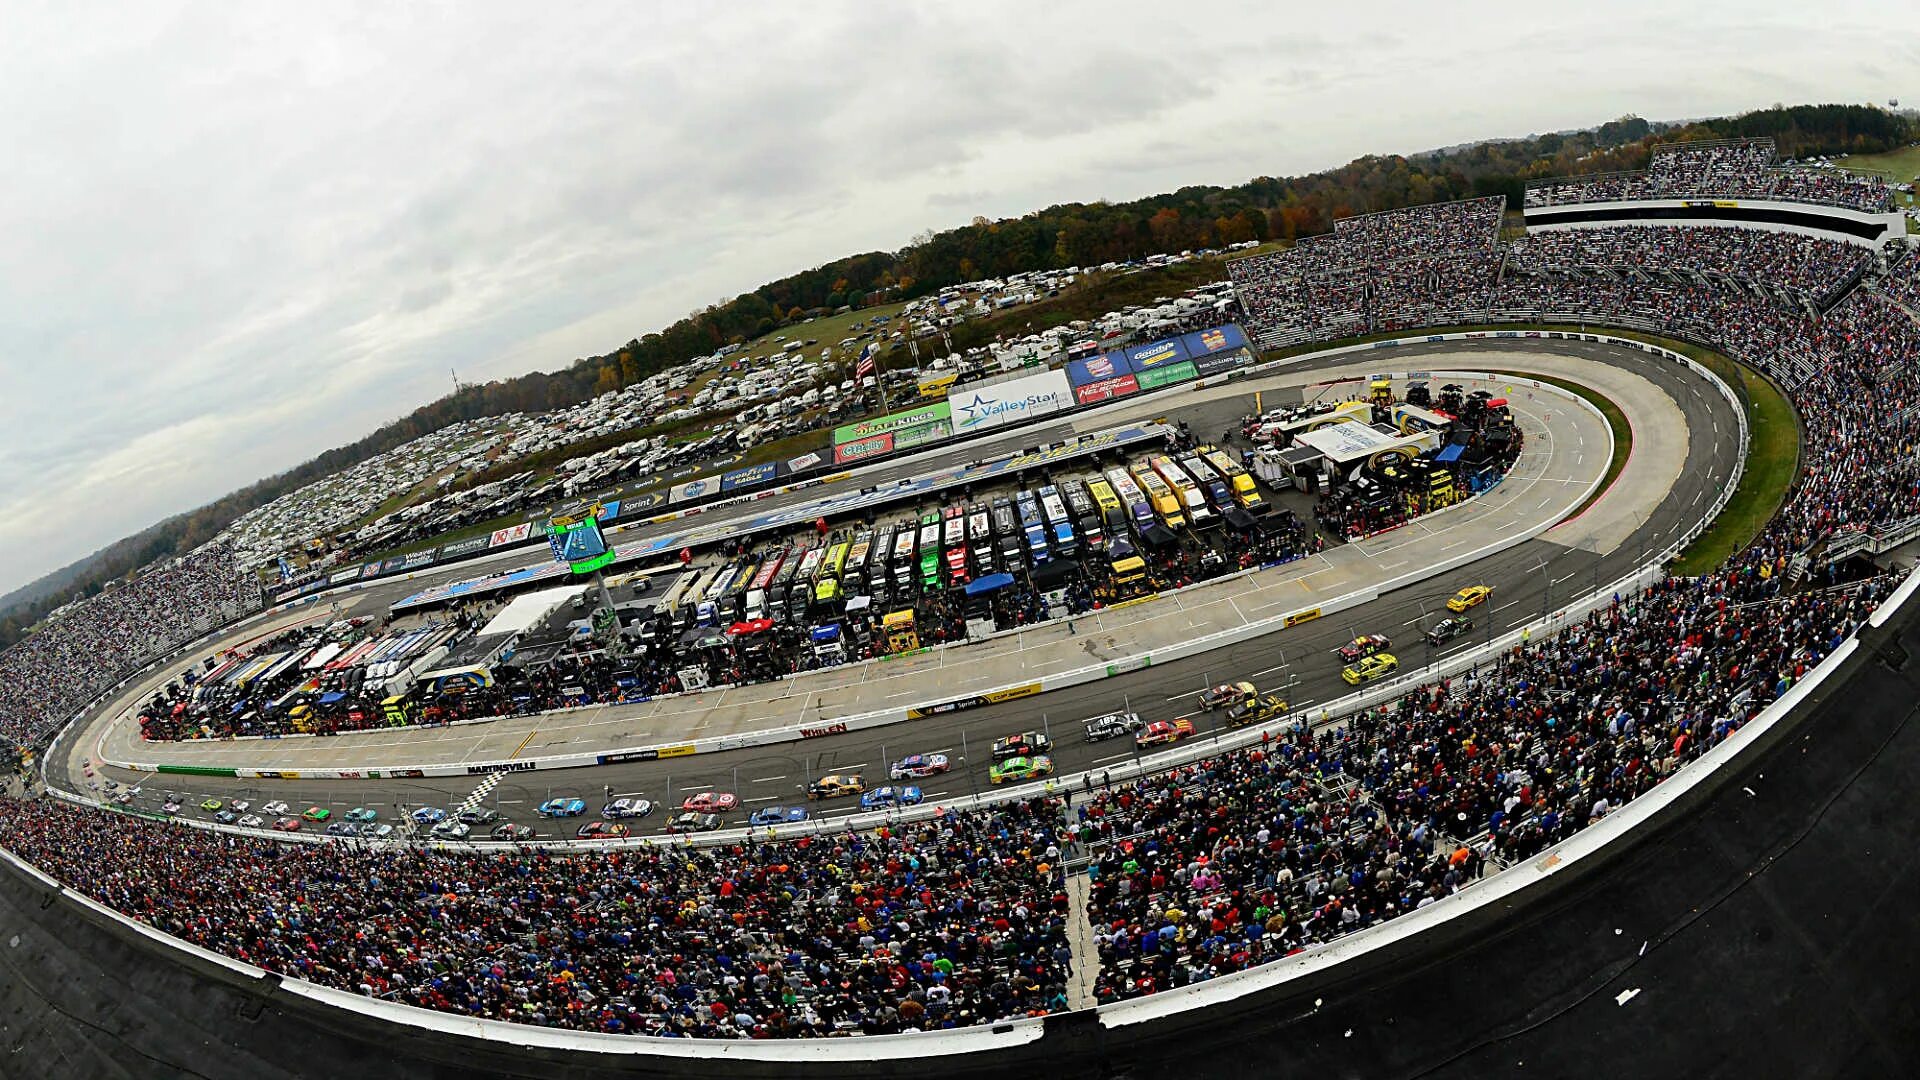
[1900, 166]
[827, 330]
[1773, 452]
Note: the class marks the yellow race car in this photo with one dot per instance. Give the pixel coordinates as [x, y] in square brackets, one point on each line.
[1470, 597]
[1370, 668]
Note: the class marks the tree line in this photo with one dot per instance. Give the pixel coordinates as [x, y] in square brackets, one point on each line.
[1069, 234]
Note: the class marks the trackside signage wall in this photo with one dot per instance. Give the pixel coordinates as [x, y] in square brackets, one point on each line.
[1096, 369]
[1106, 389]
[871, 446]
[886, 425]
[980, 407]
[1220, 339]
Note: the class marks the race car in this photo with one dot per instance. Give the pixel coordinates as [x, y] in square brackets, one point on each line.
[211, 804]
[1025, 744]
[601, 830]
[562, 807]
[1227, 693]
[692, 822]
[287, 824]
[1020, 768]
[123, 798]
[1112, 725]
[429, 815]
[343, 828]
[916, 766]
[777, 815]
[360, 813]
[1364, 646]
[452, 829]
[1447, 629]
[1471, 596]
[834, 785]
[316, 813]
[171, 806]
[708, 802]
[1257, 711]
[479, 815]
[238, 805]
[376, 829]
[1163, 731]
[507, 830]
[626, 808]
[226, 817]
[251, 822]
[274, 807]
[882, 797]
[1370, 668]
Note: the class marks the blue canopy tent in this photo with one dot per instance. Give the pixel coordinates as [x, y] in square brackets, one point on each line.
[988, 584]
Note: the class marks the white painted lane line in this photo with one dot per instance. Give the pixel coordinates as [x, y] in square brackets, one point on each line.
[1504, 607]
[767, 779]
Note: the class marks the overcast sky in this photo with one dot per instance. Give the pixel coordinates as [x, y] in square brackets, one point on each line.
[237, 235]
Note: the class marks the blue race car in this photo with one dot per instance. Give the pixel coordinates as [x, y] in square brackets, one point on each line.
[777, 815]
[429, 815]
[563, 807]
[881, 797]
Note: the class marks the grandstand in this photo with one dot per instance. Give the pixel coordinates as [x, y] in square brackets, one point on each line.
[1215, 867]
[1725, 169]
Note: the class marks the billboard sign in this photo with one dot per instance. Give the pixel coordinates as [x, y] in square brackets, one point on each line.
[981, 407]
[697, 488]
[860, 449]
[1155, 354]
[511, 535]
[1106, 389]
[805, 461]
[1100, 368]
[417, 559]
[1167, 375]
[1215, 363]
[919, 436]
[752, 474]
[1220, 339]
[882, 425]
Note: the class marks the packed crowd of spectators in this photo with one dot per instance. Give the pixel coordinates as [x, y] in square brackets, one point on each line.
[1253, 855]
[1208, 869]
[1902, 284]
[1737, 170]
[85, 647]
[1387, 269]
[945, 923]
[1815, 267]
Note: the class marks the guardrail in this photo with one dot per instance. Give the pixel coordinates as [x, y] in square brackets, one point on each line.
[1025, 688]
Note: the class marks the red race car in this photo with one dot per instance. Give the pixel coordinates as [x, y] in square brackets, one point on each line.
[1364, 646]
[710, 802]
[1164, 731]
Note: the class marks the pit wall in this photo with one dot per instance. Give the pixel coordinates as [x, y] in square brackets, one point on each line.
[1506, 888]
[1028, 688]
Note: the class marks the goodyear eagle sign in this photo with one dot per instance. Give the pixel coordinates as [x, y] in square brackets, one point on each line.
[1155, 353]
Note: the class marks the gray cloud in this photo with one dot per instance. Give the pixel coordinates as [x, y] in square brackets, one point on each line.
[241, 234]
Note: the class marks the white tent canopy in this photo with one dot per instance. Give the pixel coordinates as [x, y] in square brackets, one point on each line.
[526, 612]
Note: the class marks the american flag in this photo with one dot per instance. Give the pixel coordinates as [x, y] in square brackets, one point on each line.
[865, 366]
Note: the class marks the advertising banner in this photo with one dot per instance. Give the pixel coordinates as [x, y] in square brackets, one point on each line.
[1155, 378]
[1155, 354]
[1106, 389]
[468, 546]
[511, 535]
[1100, 368]
[415, 560]
[640, 504]
[609, 510]
[871, 446]
[370, 570]
[805, 461]
[697, 488]
[925, 433]
[752, 474]
[1217, 340]
[981, 407]
[881, 425]
[933, 386]
[390, 565]
[342, 576]
[1215, 363]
